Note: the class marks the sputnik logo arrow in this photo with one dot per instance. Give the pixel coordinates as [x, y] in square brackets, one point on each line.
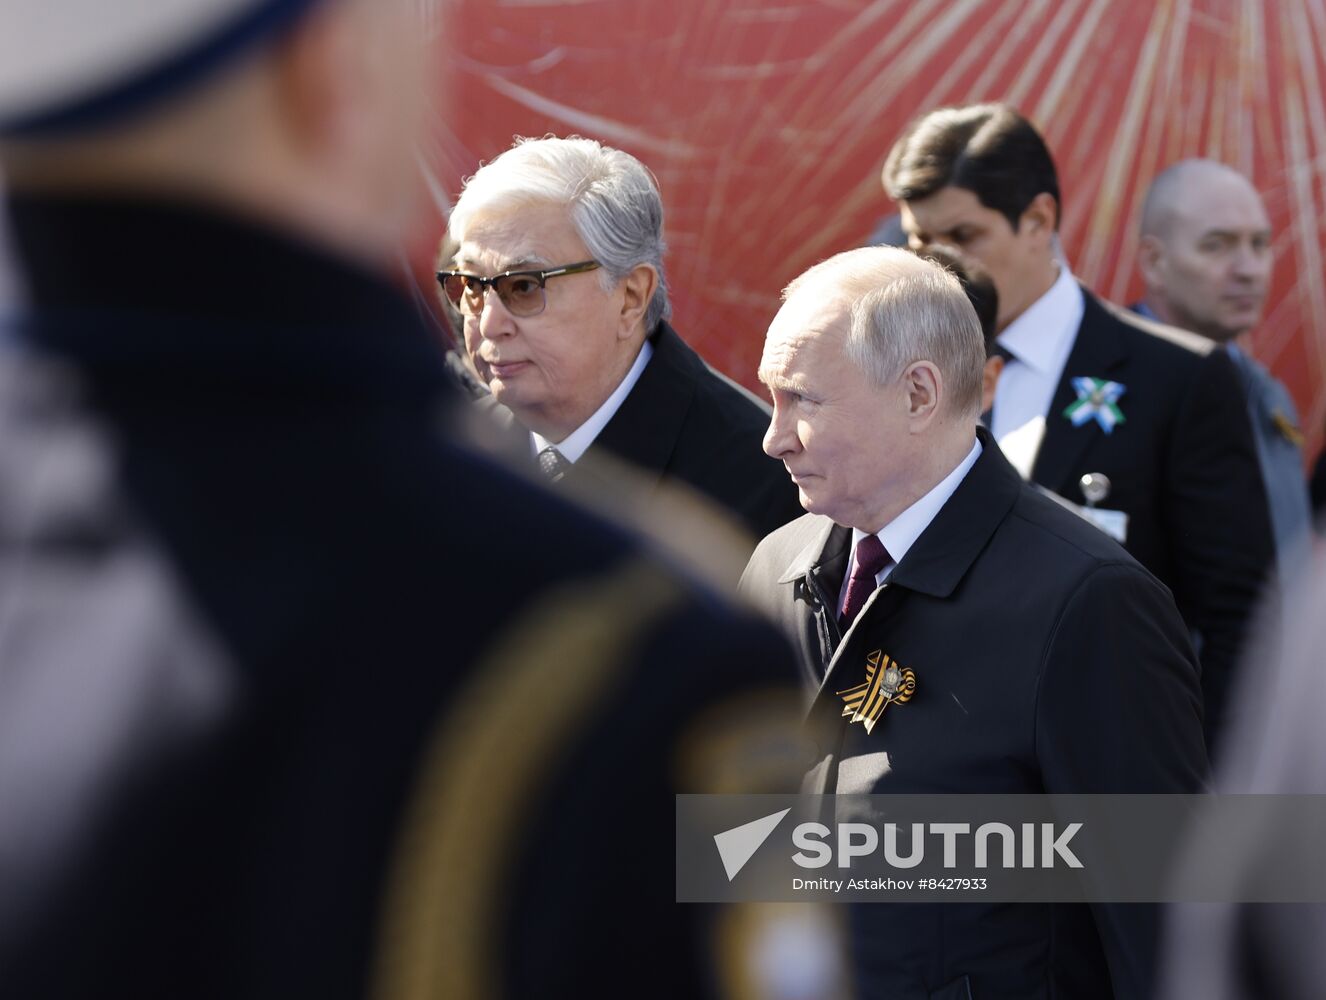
[738, 845]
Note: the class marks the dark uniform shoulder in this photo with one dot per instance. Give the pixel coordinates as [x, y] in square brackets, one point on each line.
[1145, 333]
[590, 705]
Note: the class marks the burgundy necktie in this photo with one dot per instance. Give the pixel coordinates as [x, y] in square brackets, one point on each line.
[868, 560]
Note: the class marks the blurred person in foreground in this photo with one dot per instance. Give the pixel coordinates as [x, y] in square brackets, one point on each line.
[1205, 254]
[1142, 422]
[1013, 635]
[1276, 751]
[289, 704]
[559, 275]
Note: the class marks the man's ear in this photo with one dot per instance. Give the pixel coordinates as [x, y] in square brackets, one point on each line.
[994, 367]
[1041, 217]
[316, 80]
[1151, 261]
[925, 388]
[639, 287]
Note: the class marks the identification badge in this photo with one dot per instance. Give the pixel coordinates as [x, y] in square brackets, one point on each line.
[1113, 522]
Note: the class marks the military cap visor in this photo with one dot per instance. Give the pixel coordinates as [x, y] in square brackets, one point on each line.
[66, 64]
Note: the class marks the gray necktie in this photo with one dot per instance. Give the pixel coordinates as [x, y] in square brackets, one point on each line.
[552, 464]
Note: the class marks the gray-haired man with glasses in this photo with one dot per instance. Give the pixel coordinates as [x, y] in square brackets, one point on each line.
[559, 278]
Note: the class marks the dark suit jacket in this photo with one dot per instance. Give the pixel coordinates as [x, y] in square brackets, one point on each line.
[1046, 661]
[256, 596]
[1183, 466]
[685, 423]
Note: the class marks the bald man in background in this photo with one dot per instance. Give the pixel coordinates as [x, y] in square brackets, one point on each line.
[1205, 254]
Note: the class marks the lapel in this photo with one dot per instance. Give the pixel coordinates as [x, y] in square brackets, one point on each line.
[1097, 352]
[937, 561]
[820, 566]
[645, 429]
[816, 573]
[823, 554]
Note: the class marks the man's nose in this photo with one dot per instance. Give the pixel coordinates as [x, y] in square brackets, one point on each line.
[1252, 261]
[495, 320]
[780, 439]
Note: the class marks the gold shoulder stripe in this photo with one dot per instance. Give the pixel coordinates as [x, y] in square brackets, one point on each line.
[528, 697]
[1288, 429]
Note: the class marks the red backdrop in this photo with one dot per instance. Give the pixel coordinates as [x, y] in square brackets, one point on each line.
[767, 122]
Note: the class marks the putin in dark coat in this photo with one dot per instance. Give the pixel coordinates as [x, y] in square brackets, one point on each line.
[1036, 655]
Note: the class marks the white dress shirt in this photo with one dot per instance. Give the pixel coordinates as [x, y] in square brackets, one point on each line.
[1039, 341]
[575, 444]
[901, 533]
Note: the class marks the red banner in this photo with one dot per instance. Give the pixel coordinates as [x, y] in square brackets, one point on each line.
[767, 123]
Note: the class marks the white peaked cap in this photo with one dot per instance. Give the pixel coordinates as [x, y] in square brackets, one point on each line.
[68, 63]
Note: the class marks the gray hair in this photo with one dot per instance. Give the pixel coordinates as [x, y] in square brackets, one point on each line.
[612, 197]
[903, 310]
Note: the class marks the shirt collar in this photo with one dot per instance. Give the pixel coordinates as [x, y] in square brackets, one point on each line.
[575, 444]
[902, 532]
[1043, 335]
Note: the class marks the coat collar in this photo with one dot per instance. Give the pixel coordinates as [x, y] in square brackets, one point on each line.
[828, 543]
[941, 556]
[645, 428]
[1097, 351]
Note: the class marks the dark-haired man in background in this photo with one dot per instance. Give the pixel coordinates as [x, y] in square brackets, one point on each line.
[984, 298]
[1145, 423]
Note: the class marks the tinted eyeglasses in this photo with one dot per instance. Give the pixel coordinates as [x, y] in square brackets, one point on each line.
[521, 292]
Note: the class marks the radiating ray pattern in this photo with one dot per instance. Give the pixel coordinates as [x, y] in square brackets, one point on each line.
[767, 122]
